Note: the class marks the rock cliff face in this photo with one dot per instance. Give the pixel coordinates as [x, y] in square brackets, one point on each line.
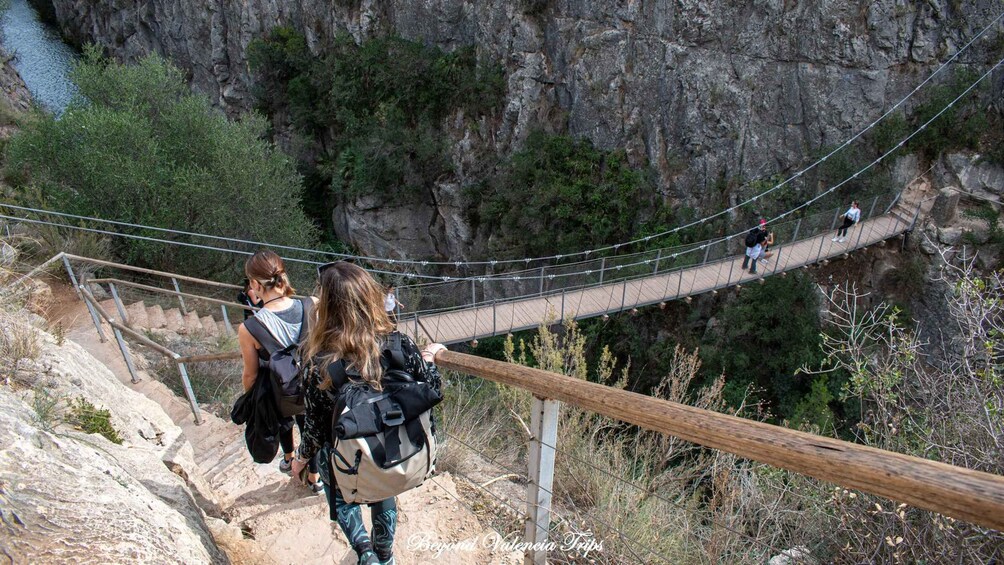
[66, 496]
[700, 90]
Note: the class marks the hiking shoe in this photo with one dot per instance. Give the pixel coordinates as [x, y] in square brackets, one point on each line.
[841, 240]
[286, 466]
[368, 558]
[316, 487]
[752, 272]
[835, 239]
[389, 560]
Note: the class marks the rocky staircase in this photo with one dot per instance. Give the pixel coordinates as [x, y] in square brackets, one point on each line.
[142, 316]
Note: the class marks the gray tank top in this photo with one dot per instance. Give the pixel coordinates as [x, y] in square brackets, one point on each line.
[284, 325]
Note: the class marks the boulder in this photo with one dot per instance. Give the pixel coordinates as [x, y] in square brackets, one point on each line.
[950, 235]
[67, 496]
[975, 175]
[945, 206]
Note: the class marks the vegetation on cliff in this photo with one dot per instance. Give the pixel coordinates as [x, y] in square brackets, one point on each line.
[373, 113]
[138, 146]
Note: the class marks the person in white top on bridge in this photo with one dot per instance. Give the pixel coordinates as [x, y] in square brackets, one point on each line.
[851, 217]
[391, 304]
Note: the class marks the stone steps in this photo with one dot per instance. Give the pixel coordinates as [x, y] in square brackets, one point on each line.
[175, 321]
[208, 324]
[155, 317]
[138, 318]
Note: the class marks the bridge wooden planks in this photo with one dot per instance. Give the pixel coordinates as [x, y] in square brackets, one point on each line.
[520, 314]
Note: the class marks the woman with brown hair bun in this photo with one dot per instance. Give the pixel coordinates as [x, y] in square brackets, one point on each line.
[282, 317]
[348, 339]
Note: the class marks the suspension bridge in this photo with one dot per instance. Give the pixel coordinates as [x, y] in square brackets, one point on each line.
[662, 281]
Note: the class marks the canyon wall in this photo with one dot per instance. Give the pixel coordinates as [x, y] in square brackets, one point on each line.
[699, 90]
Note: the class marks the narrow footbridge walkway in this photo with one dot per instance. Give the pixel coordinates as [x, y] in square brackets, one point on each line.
[673, 282]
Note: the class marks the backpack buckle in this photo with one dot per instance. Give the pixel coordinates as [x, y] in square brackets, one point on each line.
[393, 417]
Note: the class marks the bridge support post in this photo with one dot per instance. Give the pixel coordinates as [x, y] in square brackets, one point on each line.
[474, 293]
[658, 256]
[181, 299]
[544, 427]
[562, 306]
[541, 291]
[494, 317]
[603, 267]
[798, 225]
[121, 308]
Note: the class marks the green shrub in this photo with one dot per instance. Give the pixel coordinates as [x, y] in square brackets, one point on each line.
[375, 109]
[762, 338]
[138, 147]
[560, 194]
[89, 419]
[959, 127]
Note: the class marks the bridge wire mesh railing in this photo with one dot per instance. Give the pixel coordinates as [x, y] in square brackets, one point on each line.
[465, 290]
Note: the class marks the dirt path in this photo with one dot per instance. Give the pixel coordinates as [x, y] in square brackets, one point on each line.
[287, 523]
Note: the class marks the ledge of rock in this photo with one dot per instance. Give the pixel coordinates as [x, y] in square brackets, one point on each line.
[67, 496]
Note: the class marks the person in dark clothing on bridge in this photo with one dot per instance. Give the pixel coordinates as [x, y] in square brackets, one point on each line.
[753, 252]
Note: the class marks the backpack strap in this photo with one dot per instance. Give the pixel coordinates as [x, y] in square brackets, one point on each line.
[260, 332]
[308, 309]
[265, 338]
[396, 350]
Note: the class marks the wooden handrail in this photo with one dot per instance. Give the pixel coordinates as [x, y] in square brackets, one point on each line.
[122, 328]
[171, 292]
[973, 496]
[151, 272]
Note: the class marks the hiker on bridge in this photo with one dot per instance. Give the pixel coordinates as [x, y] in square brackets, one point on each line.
[755, 240]
[351, 341]
[278, 323]
[851, 217]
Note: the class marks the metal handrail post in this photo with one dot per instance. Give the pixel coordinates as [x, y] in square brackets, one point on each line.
[125, 355]
[541, 291]
[658, 256]
[707, 250]
[181, 299]
[188, 390]
[623, 293]
[474, 292]
[73, 277]
[562, 305]
[118, 304]
[861, 229]
[603, 266]
[495, 317]
[544, 439]
[94, 317]
[226, 320]
[798, 225]
[916, 215]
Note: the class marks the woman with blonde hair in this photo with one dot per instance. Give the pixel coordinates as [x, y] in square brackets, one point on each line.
[348, 336]
[281, 316]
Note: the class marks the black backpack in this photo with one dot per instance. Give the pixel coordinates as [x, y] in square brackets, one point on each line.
[752, 236]
[284, 366]
[383, 441]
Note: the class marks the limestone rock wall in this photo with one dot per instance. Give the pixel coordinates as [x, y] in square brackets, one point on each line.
[66, 496]
[701, 90]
